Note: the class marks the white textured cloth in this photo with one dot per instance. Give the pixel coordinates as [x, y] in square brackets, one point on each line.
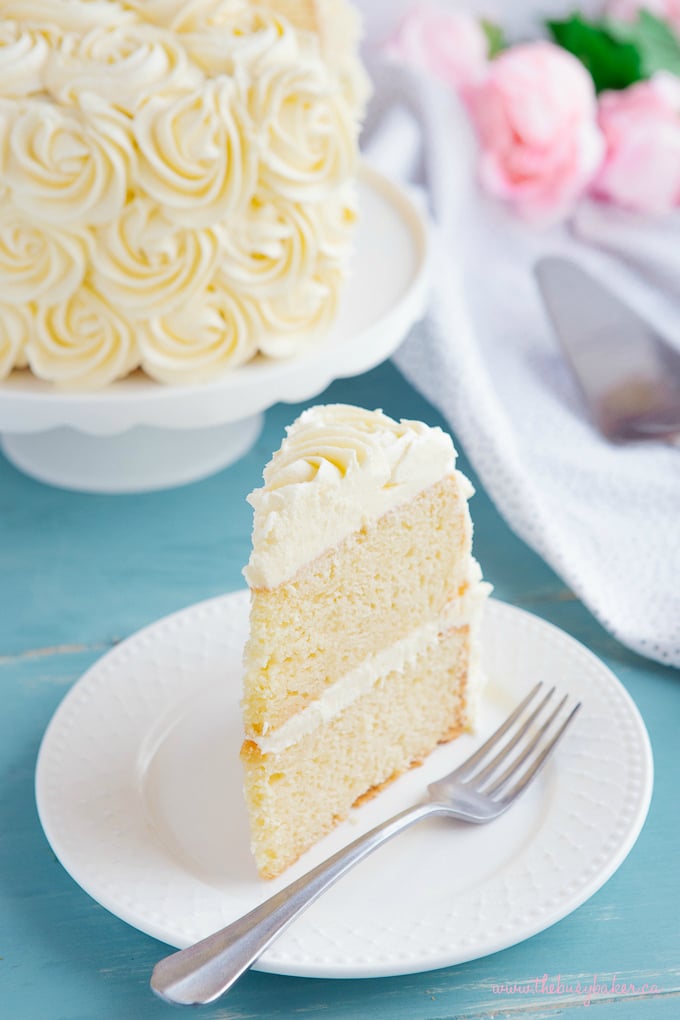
[605, 517]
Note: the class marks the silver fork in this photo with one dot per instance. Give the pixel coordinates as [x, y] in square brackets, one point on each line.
[477, 791]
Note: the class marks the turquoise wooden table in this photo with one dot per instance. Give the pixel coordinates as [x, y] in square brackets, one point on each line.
[80, 572]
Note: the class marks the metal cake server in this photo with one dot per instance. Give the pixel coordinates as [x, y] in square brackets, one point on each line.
[629, 375]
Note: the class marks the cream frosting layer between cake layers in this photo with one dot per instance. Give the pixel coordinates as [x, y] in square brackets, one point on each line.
[340, 468]
[462, 612]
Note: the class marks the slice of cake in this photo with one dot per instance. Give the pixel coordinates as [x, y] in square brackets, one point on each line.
[365, 603]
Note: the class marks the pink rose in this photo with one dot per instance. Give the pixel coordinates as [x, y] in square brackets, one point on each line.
[536, 119]
[641, 127]
[449, 44]
[627, 10]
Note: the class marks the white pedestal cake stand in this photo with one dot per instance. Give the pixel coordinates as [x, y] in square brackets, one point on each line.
[137, 435]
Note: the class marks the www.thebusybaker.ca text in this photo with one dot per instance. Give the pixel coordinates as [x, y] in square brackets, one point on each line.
[547, 985]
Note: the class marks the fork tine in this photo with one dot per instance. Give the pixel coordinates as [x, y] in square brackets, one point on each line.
[470, 764]
[500, 781]
[540, 759]
[502, 756]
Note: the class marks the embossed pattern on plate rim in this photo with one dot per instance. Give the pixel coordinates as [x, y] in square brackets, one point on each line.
[104, 720]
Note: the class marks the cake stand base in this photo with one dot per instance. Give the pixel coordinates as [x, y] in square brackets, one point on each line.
[139, 460]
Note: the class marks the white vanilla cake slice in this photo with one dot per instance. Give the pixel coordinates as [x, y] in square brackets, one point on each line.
[362, 654]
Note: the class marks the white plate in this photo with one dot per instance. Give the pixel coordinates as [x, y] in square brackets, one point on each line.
[138, 788]
[138, 434]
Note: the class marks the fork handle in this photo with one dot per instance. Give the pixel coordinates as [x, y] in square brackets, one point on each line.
[209, 968]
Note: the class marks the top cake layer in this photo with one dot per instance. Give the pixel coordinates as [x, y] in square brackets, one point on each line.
[339, 468]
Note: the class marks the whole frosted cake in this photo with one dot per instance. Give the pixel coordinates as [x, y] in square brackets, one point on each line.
[366, 600]
[176, 188]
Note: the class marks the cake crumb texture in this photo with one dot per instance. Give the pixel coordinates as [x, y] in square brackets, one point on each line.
[364, 594]
[300, 795]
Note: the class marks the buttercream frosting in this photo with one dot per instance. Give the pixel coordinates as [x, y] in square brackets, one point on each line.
[122, 63]
[159, 152]
[222, 39]
[271, 247]
[295, 319]
[196, 159]
[217, 329]
[68, 165]
[149, 265]
[81, 343]
[23, 55]
[40, 262]
[56, 18]
[340, 467]
[308, 132]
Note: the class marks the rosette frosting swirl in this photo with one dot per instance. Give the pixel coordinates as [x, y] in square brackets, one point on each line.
[69, 165]
[56, 17]
[164, 12]
[121, 63]
[23, 55]
[196, 158]
[293, 320]
[271, 248]
[215, 332]
[340, 466]
[332, 441]
[224, 37]
[39, 263]
[308, 132]
[82, 343]
[149, 265]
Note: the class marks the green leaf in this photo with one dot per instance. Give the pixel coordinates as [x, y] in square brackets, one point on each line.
[495, 40]
[613, 63]
[654, 39]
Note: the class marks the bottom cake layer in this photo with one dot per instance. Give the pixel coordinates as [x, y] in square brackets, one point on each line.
[298, 795]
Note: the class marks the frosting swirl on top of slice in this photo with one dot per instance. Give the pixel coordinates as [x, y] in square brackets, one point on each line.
[339, 468]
